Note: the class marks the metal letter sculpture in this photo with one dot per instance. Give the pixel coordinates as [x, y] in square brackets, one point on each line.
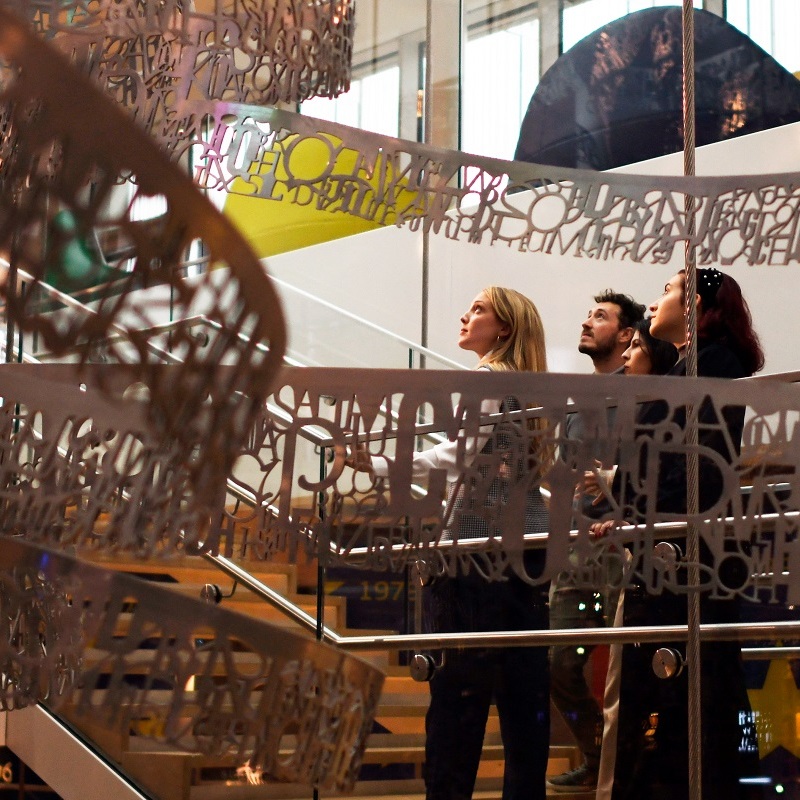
[49, 207]
[134, 455]
[159, 59]
[199, 81]
[752, 219]
[142, 466]
[216, 683]
[751, 544]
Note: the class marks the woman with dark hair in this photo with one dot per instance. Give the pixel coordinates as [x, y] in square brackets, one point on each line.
[647, 355]
[727, 347]
[652, 749]
[725, 332]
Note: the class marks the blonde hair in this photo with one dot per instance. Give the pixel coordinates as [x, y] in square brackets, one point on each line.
[523, 349]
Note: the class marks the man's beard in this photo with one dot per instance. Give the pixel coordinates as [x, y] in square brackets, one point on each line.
[597, 351]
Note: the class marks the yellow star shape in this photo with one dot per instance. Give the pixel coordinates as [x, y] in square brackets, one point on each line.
[776, 708]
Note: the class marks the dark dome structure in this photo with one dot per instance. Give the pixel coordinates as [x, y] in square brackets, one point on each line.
[615, 97]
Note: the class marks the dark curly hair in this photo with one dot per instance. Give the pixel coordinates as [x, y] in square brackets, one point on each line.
[630, 312]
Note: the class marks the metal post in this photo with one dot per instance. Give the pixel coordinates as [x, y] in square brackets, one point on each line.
[11, 291]
[320, 558]
[444, 23]
[550, 33]
[427, 125]
[692, 503]
[321, 563]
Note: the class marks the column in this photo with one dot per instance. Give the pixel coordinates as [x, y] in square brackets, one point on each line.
[549, 34]
[443, 84]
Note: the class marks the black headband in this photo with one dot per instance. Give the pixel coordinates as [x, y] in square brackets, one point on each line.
[708, 282]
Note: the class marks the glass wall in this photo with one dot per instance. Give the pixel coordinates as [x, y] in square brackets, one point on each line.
[501, 71]
[582, 18]
[383, 97]
[372, 103]
[772, 24]
[506, 45]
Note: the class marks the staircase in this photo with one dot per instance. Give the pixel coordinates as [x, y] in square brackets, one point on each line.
[395, 750]
[393, 763]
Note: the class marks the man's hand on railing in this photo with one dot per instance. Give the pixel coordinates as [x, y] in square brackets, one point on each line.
[600, 530]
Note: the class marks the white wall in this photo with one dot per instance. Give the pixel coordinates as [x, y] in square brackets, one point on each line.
[377, 275]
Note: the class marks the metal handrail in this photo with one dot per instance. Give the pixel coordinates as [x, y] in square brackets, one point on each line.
[313, 434]
[631, 634]
[716, 632]
[275, 599]
[720, 632]
[783, 377]
[536, 540]
[659, 633]
[411, 345]
[76, 305]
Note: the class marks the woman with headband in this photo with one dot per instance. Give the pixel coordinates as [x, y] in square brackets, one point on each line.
[652, 750]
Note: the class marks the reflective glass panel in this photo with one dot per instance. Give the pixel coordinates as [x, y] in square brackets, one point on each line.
[579, 19]
[386, 71]
[772, 24]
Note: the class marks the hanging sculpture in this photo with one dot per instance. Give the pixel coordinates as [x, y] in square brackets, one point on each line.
[158, 60]
[741, 219]
[133, 456]
[142, 465]
[252, 150]
[199, 82]
[56, 187]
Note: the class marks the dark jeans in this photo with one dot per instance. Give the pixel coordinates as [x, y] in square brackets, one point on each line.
[462, 690]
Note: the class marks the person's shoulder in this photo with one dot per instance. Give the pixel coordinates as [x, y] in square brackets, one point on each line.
[718, 360]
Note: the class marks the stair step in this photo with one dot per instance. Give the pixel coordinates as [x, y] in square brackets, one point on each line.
[196, 570]
[410, 789]
[335, 609]
[486, 788]
[335, 612]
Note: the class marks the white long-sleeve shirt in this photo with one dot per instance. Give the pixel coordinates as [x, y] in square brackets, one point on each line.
[445, 454]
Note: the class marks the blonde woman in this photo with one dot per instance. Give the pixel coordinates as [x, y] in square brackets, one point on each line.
[504, 329]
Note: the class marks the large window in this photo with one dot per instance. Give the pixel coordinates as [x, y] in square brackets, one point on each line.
[501, 57]
[773, 25]
[372, 103]
[501, 71]
[582, 18]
